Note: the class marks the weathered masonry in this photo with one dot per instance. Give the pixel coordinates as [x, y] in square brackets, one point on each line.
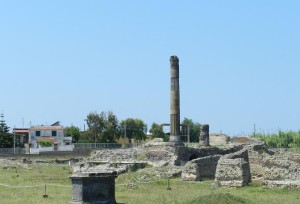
[94, 188]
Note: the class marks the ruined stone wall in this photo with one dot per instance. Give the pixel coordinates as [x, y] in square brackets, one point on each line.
[256, 154]
[265, 165]
[186, 154]
[218, 139]
[154, 153]
[243, 154]
[114, 154]
[233, 170]
[200, 168]
[275, 167]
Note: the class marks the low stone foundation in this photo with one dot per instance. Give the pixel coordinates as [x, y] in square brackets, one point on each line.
[281, 184]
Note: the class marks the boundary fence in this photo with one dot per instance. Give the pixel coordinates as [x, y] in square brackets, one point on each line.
[66, 148]
[104, 145]
[12, 151]
[60, 148]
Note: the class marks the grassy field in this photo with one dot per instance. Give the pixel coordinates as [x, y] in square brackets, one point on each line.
[200, 192]
[20, 185]
[27, 186]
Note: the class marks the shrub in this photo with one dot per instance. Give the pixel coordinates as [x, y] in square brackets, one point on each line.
[45, 143]
[280, 139]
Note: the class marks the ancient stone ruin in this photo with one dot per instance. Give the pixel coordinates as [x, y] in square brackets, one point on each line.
[203, 167]
[233, 169]
[204, 135]
[233, 165]
[175, 138]
[230, 162]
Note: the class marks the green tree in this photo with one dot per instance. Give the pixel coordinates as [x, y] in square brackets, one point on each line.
[193, 127]
[111, 130]
[103, 127]
[73, 132]
[6, 139]
[156, 131]
[95, 123]
[86, 137]
[134, 129]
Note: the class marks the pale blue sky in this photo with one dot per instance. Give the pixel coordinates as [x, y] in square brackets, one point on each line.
[239, 61]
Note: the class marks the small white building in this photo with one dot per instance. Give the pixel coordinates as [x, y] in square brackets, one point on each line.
[53, 133]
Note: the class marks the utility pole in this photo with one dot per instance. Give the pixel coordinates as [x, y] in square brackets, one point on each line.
[15, 140]
[188, 128]
[125, 132]
[95, 132]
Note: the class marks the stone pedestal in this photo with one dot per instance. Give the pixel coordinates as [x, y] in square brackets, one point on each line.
[204, 135]
[93, 188]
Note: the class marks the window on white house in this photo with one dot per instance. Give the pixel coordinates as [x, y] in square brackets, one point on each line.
[37, 133]
[54, 133]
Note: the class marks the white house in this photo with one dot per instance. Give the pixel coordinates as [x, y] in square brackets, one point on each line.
[53, 133]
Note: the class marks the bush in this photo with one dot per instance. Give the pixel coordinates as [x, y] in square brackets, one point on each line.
[45, 143]
[280, 139]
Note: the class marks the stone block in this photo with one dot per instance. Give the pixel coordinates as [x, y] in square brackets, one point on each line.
[200, 168]
[232, 172]
[93, 188]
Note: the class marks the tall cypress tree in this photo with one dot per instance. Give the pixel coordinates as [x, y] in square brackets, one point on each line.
[6, 139]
